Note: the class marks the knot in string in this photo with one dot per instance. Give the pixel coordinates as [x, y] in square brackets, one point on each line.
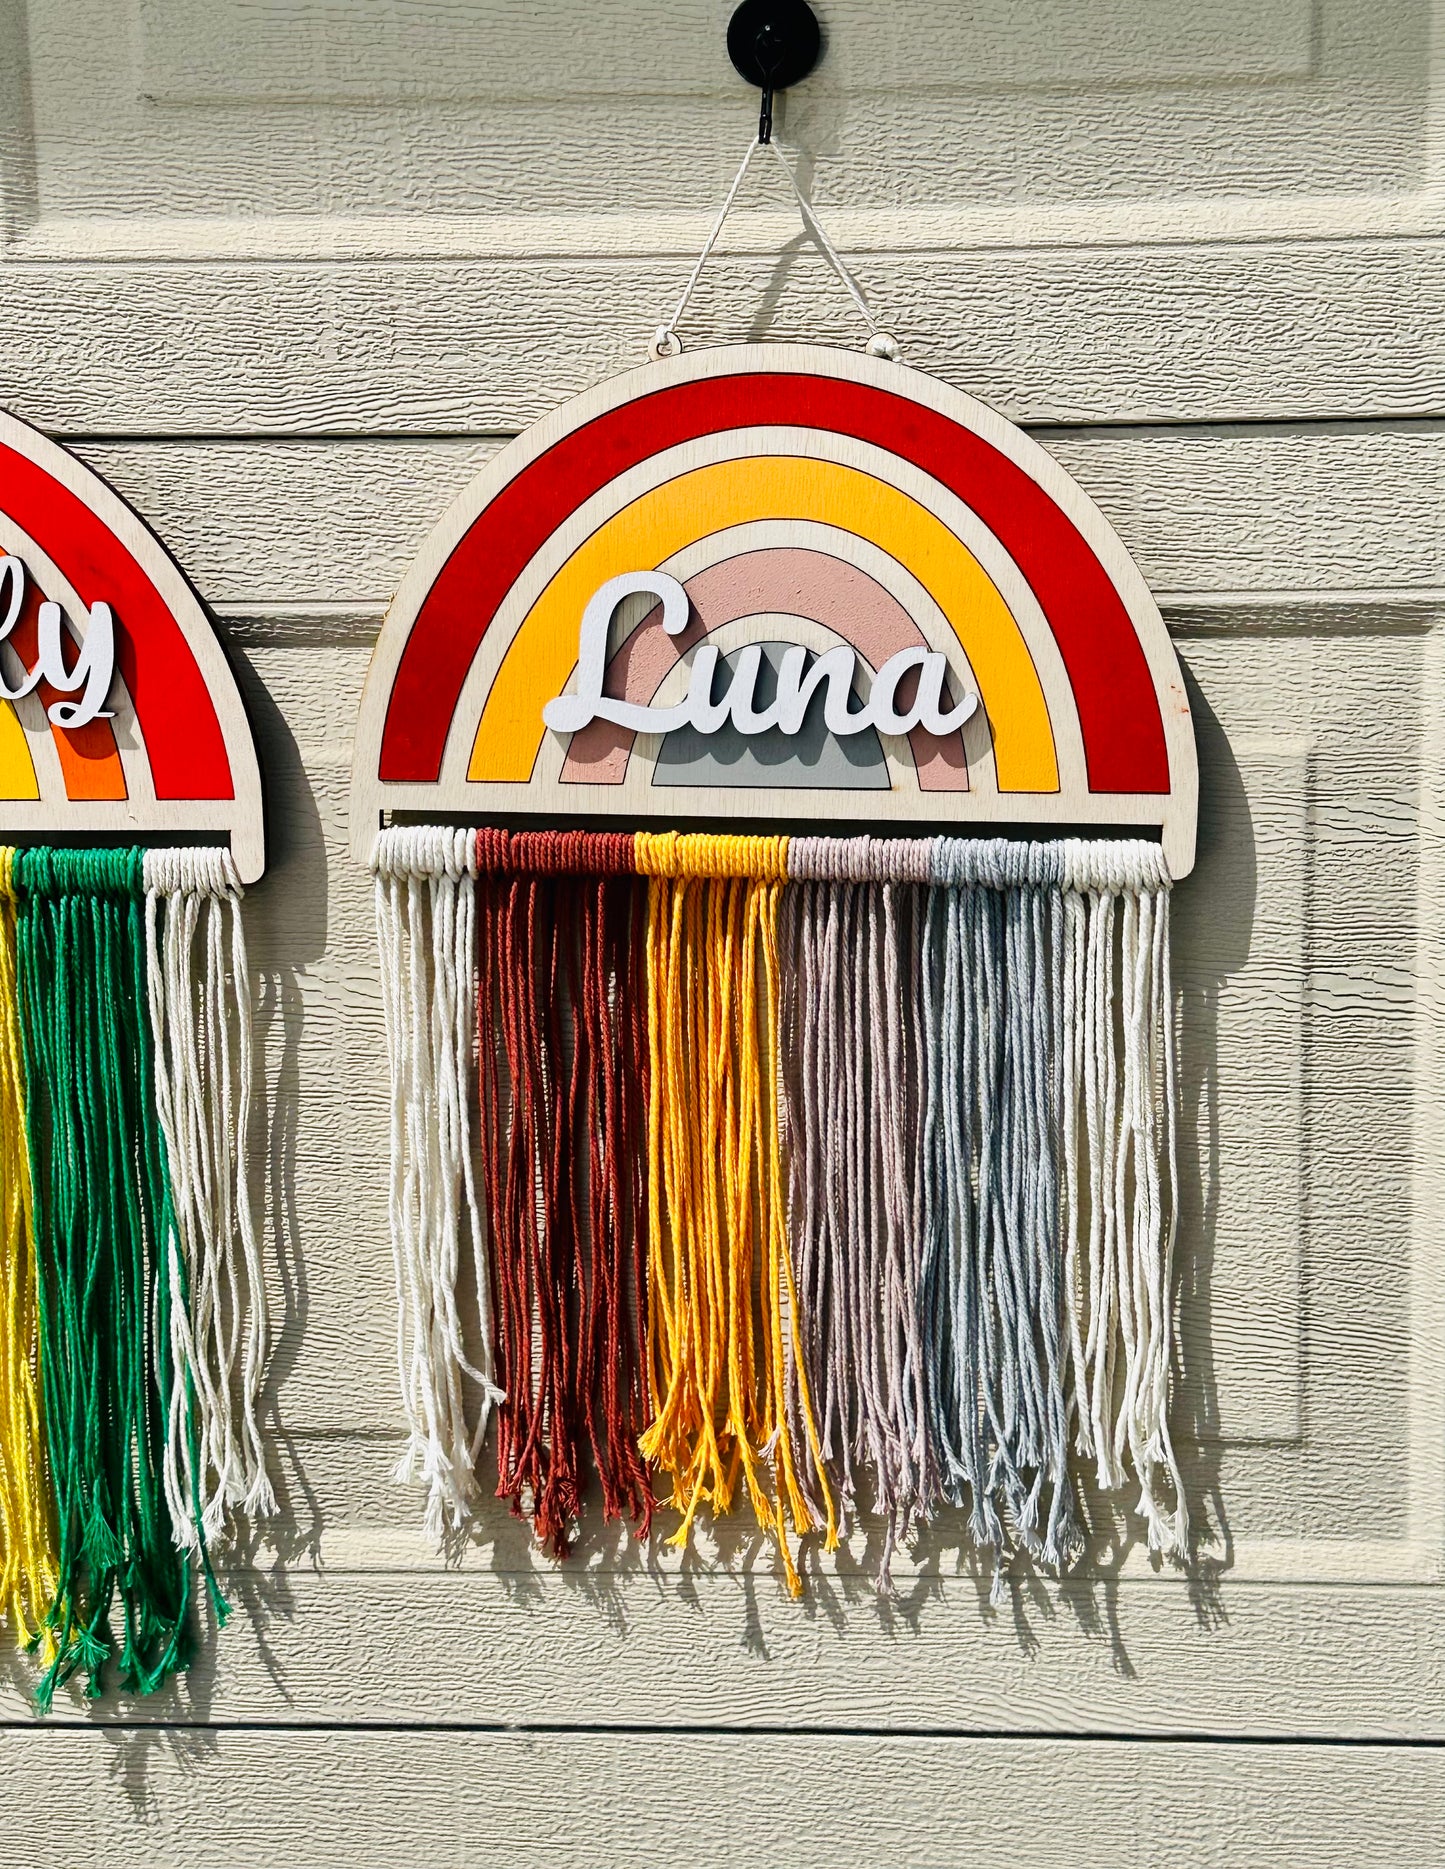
[206, 871]
[48, 871]
[698, 854]
[998, 863]
[900, 859]
[860, 859]
[554, 853]
[826, 859]
[1113, 865]
[403, 850]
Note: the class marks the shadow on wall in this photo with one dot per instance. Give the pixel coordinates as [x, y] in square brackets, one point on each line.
[1213, 925]
[295, 894]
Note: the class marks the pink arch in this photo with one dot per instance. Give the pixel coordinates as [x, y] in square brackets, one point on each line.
[786, 580]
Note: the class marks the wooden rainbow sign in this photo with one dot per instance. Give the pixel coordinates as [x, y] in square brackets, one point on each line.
[778, 582]
[159, 752]
[864, 1080]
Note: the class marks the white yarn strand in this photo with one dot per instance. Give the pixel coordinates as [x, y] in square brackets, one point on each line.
[425, 883]
[1159, 1442]
[1119, 1199]
[200, 1017]
[1071, 1090]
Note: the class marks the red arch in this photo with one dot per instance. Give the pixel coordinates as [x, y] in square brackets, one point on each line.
[1123, 732]
[177, 719]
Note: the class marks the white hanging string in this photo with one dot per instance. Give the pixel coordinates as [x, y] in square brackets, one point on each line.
[667, 343]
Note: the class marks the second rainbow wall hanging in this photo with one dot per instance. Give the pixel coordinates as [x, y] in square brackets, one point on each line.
[820, 1158]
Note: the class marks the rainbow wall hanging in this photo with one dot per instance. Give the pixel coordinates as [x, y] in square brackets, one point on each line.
[133, 1330]
[830, 1165]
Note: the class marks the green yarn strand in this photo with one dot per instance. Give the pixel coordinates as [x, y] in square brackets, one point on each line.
[103, 1223]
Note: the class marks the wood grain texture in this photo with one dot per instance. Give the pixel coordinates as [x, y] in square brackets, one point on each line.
[492, 1800]
[369, 128]
[379, 50]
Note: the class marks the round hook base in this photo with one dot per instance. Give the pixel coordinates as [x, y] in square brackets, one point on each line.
[774, 43]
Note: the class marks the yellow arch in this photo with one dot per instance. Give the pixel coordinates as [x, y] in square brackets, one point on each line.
[645, 533]
[17, 769]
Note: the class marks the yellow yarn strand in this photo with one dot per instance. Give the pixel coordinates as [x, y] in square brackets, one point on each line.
[780, 1271]
[29, 1571]
[721, 1299]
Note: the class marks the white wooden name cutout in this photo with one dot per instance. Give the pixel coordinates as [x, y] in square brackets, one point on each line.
[94, 667]
[800, 676]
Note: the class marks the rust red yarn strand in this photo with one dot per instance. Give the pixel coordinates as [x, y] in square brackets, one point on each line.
[612, 1066]
[563, 1068]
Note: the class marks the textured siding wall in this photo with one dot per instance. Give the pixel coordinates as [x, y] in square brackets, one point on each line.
[287, 272]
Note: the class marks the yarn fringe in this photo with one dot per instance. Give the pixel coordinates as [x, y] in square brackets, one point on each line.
[133, 1323]
[426, 927]
[29, 1573]
[721, 1287]
[564, 1087]
[875, 1138]
[199, 1000]
[102, 1214]
[853, 1124]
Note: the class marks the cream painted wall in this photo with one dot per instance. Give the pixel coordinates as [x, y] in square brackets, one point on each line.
[287, 271]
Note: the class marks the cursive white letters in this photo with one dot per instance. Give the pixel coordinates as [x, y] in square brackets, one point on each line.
[94, 663]
[799, 679]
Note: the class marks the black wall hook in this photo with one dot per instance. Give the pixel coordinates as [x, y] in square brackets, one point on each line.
[773, 43]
